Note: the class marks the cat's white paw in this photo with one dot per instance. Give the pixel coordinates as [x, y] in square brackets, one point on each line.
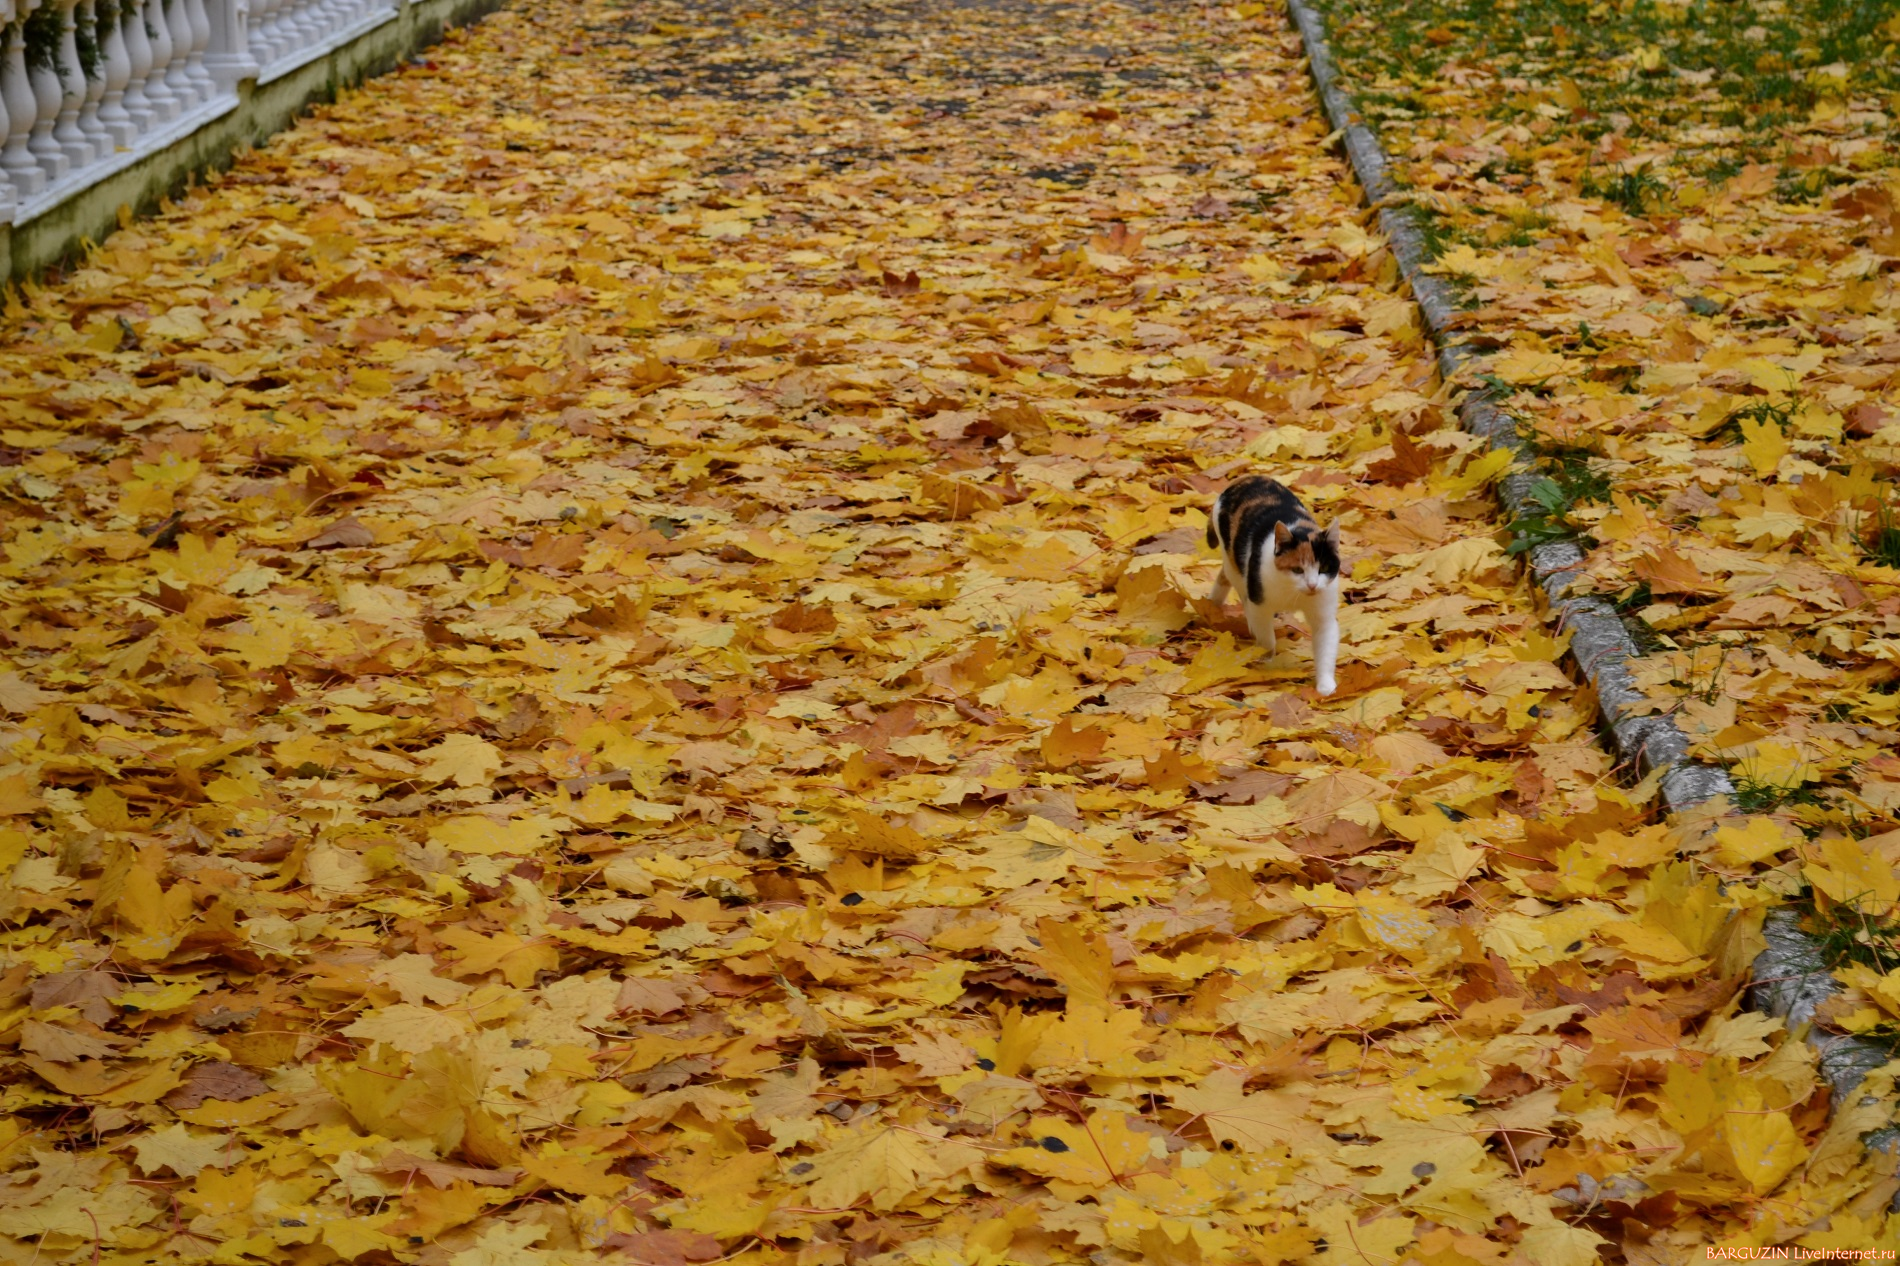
[1325, 686]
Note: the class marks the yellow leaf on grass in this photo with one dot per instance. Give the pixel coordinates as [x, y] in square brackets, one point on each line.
[1525, 366]
[1852, 876]
[1763, 444]
[1753, 840]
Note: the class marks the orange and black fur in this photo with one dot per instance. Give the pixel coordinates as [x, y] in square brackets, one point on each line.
[1275, 553]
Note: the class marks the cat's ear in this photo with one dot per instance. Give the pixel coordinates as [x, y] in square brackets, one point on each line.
[1281, 537]
[1332, 534]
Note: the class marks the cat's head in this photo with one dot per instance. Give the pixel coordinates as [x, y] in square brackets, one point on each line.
[1307, 554]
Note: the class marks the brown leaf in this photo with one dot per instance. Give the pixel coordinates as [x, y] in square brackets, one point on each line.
[63, 1045]
[1669, 572]
[216, 1080]
[960, 497]
[443, 1174]
[345, 533]
[796, 617]
[654, 997]
[664, 1248]
[1408, 464]
[85, 991]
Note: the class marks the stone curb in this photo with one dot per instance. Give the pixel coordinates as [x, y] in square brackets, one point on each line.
[1788, 979]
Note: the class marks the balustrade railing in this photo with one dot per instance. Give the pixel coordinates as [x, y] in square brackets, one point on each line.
[87, 87]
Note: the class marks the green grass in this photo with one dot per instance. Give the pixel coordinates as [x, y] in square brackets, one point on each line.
[1780, 412]
[1638, 192]
[1748, 65]
[1881, 538]
[1569, 481]
[1752, 795]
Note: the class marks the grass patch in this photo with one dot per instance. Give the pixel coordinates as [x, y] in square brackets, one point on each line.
[1658, 68]
[1754, 795]
[1846, 935]
[1637, 192]
[1880, 540]
[1568, 482]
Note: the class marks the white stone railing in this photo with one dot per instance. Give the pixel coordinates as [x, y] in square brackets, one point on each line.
[89, 87]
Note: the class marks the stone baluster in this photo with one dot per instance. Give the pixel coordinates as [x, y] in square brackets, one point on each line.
[276, 34]
[92, 68]
[72, 90]
[310, 23]
[7, 196]
[115, 66]
[138, 51]
[228, 58]
[198, 23]
[18, 160]
[158, 86]
[42, 70]
[259, 31]
[178, 69]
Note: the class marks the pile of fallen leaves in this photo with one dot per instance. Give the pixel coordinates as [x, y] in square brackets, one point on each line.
[606, 663]
[1696, 308]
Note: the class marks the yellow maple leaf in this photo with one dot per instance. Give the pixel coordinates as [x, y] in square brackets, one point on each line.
[1392, 921]
[1764, 444]
[1852, 876]
[1753, 840]
[1560, 1244]
[1765, 1145]
[517, 960]
[463, 759]
[1091, 1155]
[888, 1164]
[1260, 1121]
[1101, 361]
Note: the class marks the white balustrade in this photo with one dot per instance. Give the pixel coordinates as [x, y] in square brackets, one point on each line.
[42, 71]
[158, 89]
[115, 73]
[138, 54]
[92, 79]
[200, 45]
[171, 13]
[89, 86]
[22, 167]
[72, 90]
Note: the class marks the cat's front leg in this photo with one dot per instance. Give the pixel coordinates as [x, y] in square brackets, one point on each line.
[1325, 649]
[1260, 624]
[1218, 594]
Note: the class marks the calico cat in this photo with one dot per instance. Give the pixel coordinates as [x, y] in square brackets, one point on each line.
[1274, 553]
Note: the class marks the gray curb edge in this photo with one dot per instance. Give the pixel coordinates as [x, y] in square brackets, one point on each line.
[1788, 979]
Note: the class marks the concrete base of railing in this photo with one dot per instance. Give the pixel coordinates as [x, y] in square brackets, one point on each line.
[56, 224]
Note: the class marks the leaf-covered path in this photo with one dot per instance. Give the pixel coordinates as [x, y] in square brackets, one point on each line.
[604, 664]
